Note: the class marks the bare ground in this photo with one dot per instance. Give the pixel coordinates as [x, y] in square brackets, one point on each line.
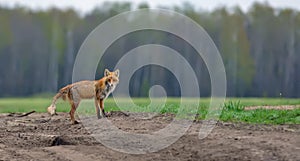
[39, 137]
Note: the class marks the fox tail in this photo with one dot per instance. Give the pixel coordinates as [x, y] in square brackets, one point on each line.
[63, 92]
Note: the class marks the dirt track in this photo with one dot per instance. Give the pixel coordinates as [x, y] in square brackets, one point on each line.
[37, 137]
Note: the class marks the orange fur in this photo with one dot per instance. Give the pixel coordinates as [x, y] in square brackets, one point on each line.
[85, 90]
[103, 88]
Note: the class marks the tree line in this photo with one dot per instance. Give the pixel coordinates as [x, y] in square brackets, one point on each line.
[260, 49]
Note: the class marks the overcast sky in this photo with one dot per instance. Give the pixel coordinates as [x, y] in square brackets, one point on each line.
[85, 6]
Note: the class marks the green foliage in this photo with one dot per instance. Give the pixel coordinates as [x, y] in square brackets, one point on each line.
[259, 47]
[5, 32]
[233, 110]
[263, 116]
[145, 88]
[235, 50]
[233, 106]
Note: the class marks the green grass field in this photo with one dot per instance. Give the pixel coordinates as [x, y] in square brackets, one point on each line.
[233, 110]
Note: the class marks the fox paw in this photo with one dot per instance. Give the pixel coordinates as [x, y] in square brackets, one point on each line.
[108, 114]
[75, 122]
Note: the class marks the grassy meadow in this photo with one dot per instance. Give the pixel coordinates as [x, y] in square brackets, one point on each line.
[233, 109]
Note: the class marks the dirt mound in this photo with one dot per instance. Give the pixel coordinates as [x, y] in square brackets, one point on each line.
[40, 137]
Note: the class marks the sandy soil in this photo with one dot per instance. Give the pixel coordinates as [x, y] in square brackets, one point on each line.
[282, 107]
[39, 137]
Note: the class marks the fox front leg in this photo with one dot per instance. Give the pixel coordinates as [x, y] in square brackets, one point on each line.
[97, 109]
[102, 107]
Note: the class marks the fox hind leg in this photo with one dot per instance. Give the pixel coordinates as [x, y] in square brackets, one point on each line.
[74, 101]
[72, 112]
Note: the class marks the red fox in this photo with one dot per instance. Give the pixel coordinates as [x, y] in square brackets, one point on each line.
[98, 89]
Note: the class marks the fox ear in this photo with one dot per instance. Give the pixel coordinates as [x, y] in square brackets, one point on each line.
[117, 72]
[106, 72]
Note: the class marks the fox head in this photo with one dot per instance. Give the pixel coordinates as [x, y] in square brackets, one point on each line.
[112, 78]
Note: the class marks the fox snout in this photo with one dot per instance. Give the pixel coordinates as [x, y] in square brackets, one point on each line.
[110, 84]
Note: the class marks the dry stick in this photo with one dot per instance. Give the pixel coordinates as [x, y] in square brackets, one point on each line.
[26, 114]
[126, 114]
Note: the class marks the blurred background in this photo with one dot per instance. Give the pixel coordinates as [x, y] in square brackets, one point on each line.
[259, 42]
